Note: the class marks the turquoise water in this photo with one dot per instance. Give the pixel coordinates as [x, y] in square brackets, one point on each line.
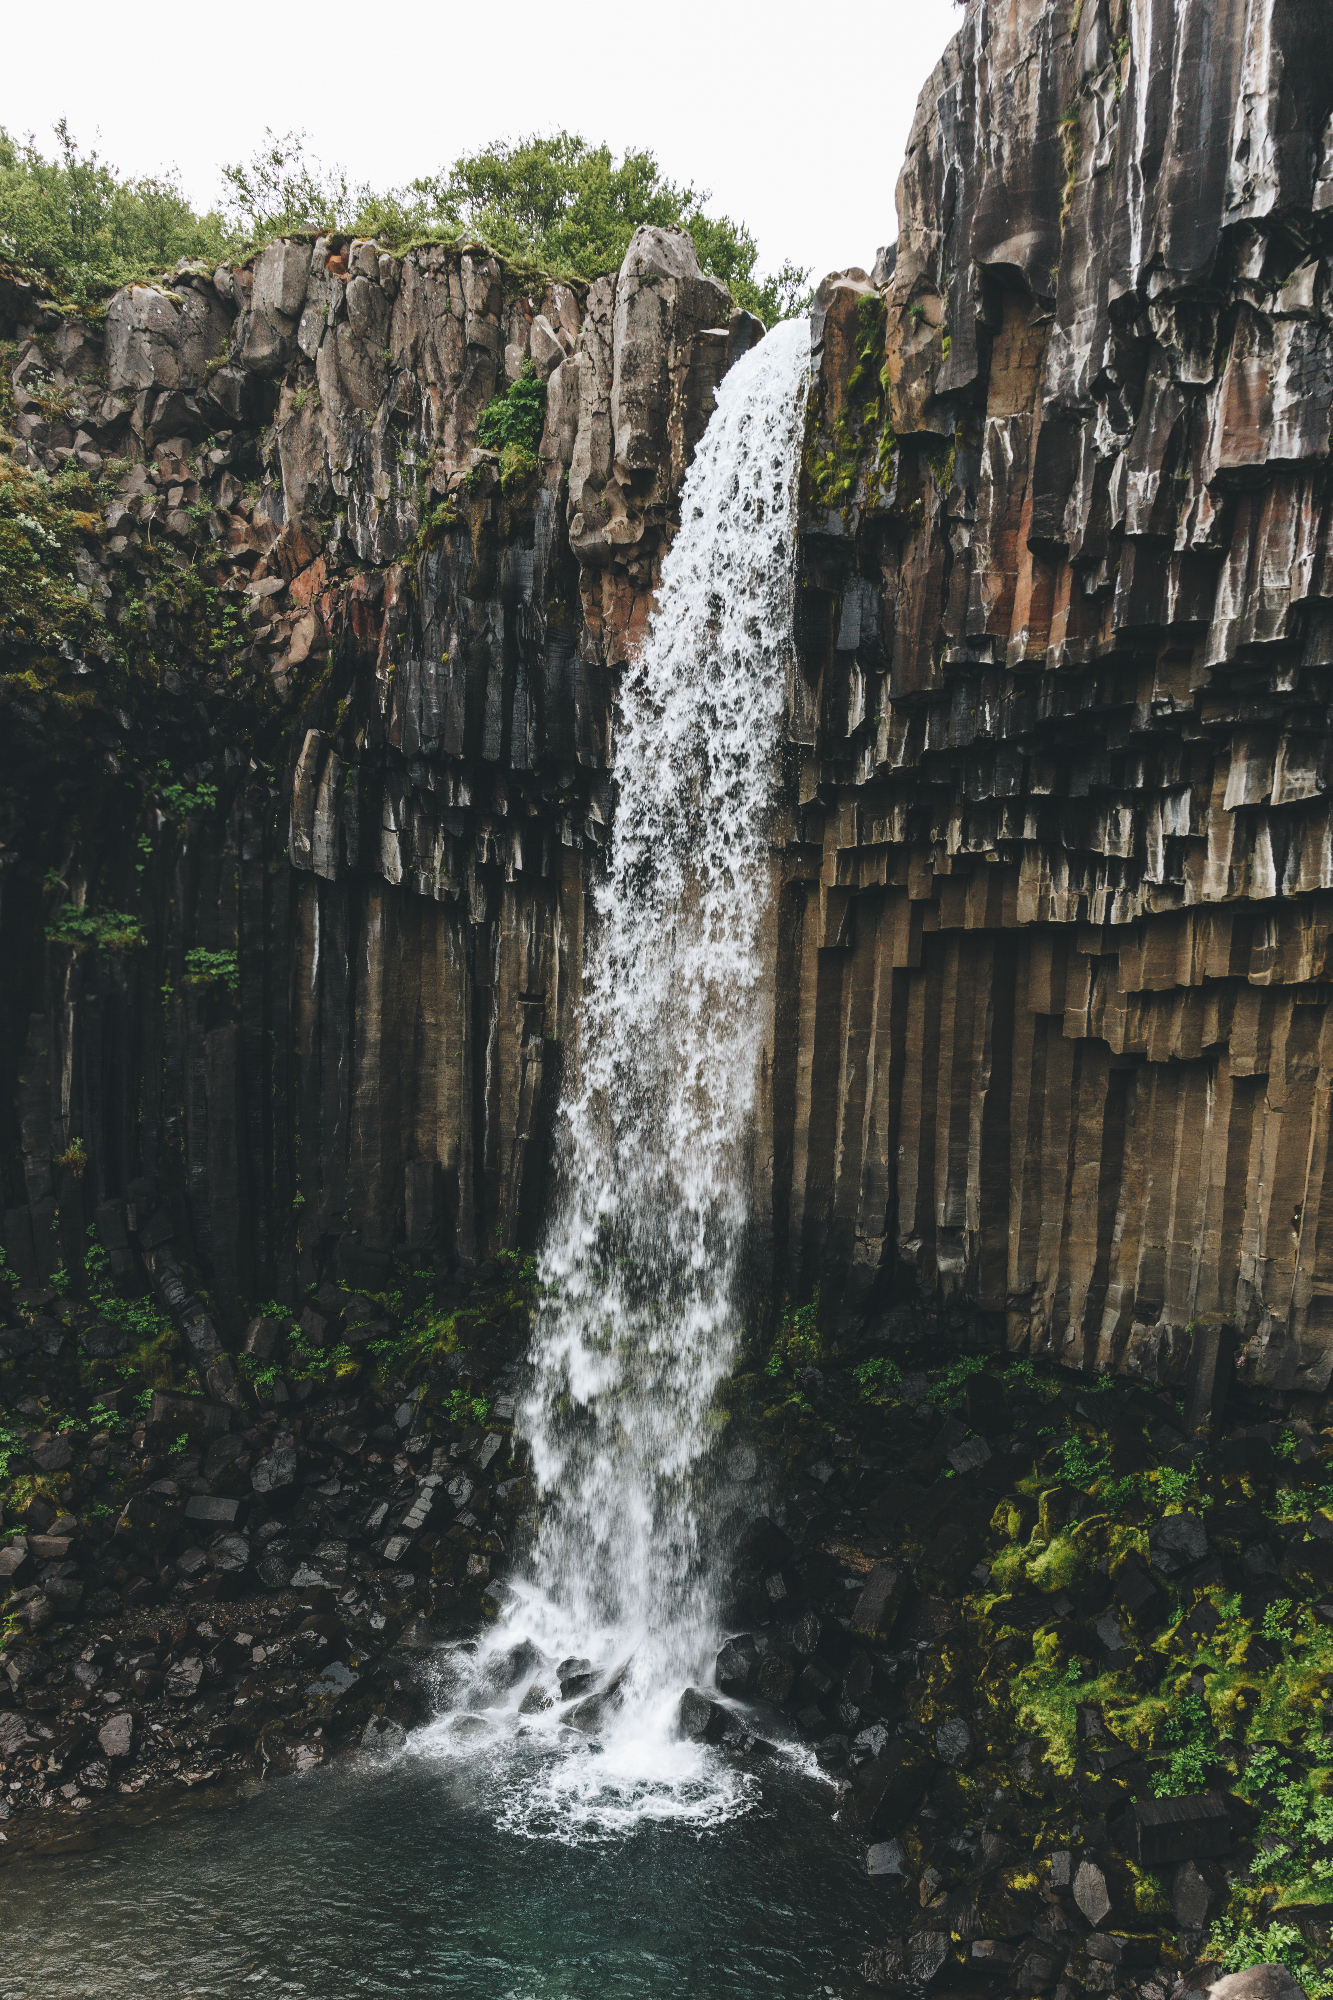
[392, 1879]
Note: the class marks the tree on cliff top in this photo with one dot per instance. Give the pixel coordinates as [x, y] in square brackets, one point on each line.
[91, 227]
[557, 203]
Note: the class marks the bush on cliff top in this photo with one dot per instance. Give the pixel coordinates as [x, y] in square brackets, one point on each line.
[77, 218]
[555, 203]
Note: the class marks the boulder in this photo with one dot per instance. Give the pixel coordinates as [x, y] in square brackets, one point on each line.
[880, 1601]
[1177, 1543]
[1091, 1892]
[1193, 1828]
[116, 1736]
[700, 1719]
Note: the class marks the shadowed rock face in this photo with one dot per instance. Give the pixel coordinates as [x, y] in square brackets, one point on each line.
[1053, 871]
[1056, 916]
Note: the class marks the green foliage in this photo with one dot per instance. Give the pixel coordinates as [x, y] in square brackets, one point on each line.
[1080, 1461]
[878, 1375]
[1280, 1944]
[182, 800]
[1286, 1446]
[203, 967]
[564, 205]
[9, 1448]
[948, 1384]
[1276, 1615]
[1193, 1755]
[95, 930]
[1173, 1486]
[797, 1343]
[514, 415]
[76, 218]
[462, 1408]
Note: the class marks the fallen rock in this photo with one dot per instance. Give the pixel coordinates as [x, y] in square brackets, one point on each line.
[116, 1736]
[1091, 1893]
[880, 1601]
[1185, 1829]
[700, 1719]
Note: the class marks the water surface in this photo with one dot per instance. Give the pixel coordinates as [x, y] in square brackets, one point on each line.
[398, 1878]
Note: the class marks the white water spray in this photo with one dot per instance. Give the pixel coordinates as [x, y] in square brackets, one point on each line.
[639, 1321]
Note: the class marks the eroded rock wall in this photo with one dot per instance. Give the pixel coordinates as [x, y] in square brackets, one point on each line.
[384, 793]
[1056, 933]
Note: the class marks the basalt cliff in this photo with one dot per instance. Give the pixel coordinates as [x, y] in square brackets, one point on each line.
[309, 732]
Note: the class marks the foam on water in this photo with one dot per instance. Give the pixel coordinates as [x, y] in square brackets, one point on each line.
[643, 1259]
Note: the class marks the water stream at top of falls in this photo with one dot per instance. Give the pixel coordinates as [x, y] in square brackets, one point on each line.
[640, 1307]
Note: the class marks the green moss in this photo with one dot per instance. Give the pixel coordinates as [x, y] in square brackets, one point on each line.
[95, 930]
[860, 445]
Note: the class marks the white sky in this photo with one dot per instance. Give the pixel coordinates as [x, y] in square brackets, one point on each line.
[795, 118]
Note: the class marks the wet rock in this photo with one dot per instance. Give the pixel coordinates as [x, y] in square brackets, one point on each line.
[506, 1670]
[886, 1857]
[536, 1701]
[737, 1665]
[383, 1737]
[700, 1719]
[1091, 1892]
[776, 1679]
[575, 1677]
[275, 1472]
[892, 1787]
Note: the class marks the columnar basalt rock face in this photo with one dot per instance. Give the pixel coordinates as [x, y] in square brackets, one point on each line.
[412, 780]
[1057, 919]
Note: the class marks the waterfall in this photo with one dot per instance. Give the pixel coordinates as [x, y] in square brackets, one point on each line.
[640, 1272]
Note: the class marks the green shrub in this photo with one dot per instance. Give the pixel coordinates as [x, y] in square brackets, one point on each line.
[76, 218]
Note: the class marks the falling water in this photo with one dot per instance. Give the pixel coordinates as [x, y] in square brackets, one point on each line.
[642, 1265]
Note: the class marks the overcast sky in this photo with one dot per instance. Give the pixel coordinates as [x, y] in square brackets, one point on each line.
[795, 117]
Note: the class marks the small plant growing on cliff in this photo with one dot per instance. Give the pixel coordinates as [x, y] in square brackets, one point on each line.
[515, 416]
[73, 1160]
[85, 929]
[204, 968]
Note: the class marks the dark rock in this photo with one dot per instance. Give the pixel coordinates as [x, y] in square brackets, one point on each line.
[103, 1342]
[1176, 1543]
[1091, 1892]
[1184, 1829]
[536, 1701]
[737, 1664]
[575, 1677]
[700, 1719]
[52, 1454]
[275, 1472]
[776, 1679]
[1198, 1892]
[892, 1786]
[880, 1602]
[211, 1507]
[953, 1741]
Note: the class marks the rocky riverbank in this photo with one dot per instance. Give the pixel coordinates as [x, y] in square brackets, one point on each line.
[1066, 1653]
[198, 1585]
